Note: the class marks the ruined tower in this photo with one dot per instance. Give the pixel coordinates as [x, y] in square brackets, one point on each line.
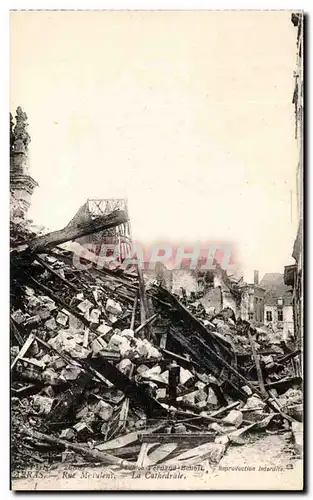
[21, 183]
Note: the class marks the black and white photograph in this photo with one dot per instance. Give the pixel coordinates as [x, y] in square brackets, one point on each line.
[156, 250]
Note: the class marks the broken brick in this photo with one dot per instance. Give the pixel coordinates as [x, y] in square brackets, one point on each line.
[113, 307]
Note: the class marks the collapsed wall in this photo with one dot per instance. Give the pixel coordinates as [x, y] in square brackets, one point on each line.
[99, 362]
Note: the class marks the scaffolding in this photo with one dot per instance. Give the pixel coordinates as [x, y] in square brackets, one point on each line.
[119, 235]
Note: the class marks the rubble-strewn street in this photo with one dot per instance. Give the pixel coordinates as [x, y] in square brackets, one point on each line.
[93, 382]
[156, 315]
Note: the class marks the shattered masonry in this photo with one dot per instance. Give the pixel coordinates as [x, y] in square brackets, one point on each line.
[108, 370]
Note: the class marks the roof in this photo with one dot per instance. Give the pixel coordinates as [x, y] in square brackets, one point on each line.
[275, 288]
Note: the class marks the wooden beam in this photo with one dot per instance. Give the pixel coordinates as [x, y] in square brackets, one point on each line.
[74, 231]
[132, 323]
[146, 323]
[185, 437]
[257, 364]
[57, 275]
[219, 412]
[85, 451]
[144, 310]
[128, 387]
[30, 339]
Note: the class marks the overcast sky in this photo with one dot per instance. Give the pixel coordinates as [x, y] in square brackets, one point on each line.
[187, 114]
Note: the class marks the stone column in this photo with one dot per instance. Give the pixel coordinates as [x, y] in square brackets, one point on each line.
[21, 183]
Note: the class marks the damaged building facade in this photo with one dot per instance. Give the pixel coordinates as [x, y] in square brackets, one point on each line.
[213, 289]
[278, 310]
[252, 301]
[293, 275]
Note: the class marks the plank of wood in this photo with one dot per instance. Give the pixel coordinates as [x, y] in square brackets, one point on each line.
[275, 404]
[262, 424]
[289, 356]
[232, 436]
[148, 321]
[14, 329]
[127, 452]
[205, 363]
[86, 337]
[125, 407]
[189, 393]
[230, 368]
[119, 442]
[180, 359]
[257, 364]
[288, 381]
[196, 324]
[124, 414]
[196, 455]
[219, 412]
[132, 323]
[143, 454]
[90, 454]
[144, 309]
[163, 340]
[130, 438]
[177, 438]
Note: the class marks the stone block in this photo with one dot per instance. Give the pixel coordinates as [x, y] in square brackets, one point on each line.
[128, 332]
[104, 410]
[83, 431]
[70, 373]
[103, 329]
[51, 325]
[212, 399]
[113, 307]
[18, 317]
[62, 318]
[253, 403]
[85, 306]
[161, 393]
[115, 342]
[125, 366]
[42, 404]
[67, 434]
[247, 390]
[234, 417]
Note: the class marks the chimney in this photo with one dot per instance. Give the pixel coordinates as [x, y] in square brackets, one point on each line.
[256, 277]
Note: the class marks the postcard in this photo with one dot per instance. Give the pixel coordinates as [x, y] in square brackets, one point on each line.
[156, 255]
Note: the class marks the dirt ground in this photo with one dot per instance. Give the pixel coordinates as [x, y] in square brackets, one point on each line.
[268, 462]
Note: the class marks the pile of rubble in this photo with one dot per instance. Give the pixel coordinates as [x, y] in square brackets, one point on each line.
[106, 370]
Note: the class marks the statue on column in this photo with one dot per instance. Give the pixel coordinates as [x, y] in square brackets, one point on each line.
[19, 134]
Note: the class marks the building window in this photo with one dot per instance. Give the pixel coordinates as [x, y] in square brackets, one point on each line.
[280, 301]
[250, 316]
[280, 315]
[269, 316]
